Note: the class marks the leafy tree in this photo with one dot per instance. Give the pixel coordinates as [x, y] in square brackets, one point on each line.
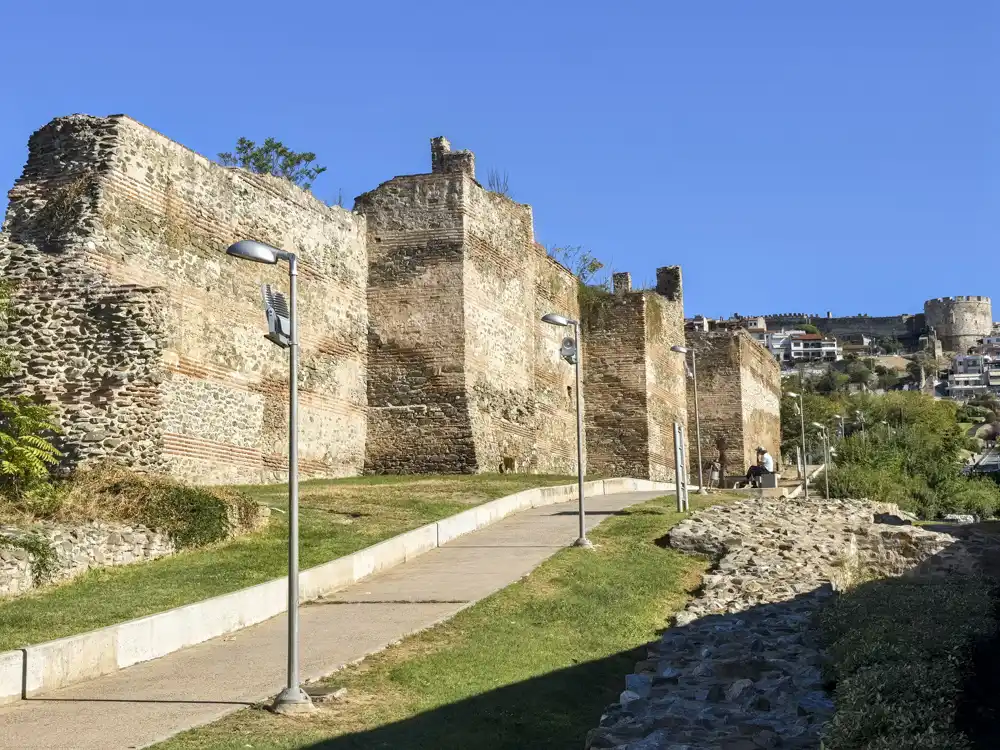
[857, 373]
[809, 328]
[580, 261]
[273, 157]
[831, 382]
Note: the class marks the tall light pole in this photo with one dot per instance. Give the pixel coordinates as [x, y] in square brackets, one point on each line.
[570, 351]
[697, 417]
[285, 333]
[826, 455]
[805, 462]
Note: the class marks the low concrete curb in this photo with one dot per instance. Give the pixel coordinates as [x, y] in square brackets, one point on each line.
[47, 666]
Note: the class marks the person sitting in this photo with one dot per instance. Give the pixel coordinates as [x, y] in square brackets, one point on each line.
[765, 465]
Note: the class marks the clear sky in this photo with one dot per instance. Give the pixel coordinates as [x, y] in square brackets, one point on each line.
[790, 155]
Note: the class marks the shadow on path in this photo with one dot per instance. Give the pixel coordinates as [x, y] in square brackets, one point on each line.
[555, 711]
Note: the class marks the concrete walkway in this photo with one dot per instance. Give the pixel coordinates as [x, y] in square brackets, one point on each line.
[150, 702]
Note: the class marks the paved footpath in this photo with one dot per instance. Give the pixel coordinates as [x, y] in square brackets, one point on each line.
[149, 702]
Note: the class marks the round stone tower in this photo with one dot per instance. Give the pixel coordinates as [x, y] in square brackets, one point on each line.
[959, 321]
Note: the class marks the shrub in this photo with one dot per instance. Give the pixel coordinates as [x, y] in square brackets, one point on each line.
[898, 652]
[25, 452]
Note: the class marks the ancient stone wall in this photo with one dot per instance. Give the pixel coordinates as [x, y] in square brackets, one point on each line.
[75, 550]
[634, 383]
[463, 374]
[739, 394]
[665, 373]
[960, 322]
[554, 378]
[719, 401]
[148, 339]
[760, 399]
[614, 371]
[418, 416]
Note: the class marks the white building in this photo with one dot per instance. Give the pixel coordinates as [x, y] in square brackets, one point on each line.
[793, 347]
[973, 375]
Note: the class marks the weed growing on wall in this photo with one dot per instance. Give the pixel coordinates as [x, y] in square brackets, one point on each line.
[193, 516]
[41, 556]
[595, 303]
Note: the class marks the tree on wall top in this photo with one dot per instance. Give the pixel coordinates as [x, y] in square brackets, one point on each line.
[273, 157]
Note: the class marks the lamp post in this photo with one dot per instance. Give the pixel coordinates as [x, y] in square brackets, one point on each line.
[826, 455]
[805, 462]
[570, 351]
[843, 433]
[293, 699]
[697, 417]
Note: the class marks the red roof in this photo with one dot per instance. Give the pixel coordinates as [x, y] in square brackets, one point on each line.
[807, 337]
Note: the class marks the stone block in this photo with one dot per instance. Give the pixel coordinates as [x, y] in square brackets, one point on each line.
[11, 676]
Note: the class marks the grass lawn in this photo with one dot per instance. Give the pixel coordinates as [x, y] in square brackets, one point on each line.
[336, 517]
[532, 666]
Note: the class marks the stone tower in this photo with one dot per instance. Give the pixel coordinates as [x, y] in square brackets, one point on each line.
[959, 322]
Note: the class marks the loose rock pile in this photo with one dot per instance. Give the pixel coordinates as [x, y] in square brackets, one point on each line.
[740, 670]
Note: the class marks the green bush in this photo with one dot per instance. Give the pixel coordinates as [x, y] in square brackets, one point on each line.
[26, 453]
[898, 650]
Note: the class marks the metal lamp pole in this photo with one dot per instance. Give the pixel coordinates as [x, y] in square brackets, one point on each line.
[697, 417]
[293, 699]
[805, 462]
[570, 351]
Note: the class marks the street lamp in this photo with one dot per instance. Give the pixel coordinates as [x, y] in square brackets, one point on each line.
[693, 372]
[805, 462]
[826, 455]
[570, 351]
[284, 332]
[843, 432]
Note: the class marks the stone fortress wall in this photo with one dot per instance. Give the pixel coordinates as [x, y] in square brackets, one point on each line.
[462, 373]
[739, 399]
[130, 321]
[422, 346]
[959, 322]
[634, 384]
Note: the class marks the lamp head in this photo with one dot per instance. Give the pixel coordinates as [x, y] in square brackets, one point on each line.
[792, 394]
[820, 426]
[255, 251]
[679, 349]
[555, 320]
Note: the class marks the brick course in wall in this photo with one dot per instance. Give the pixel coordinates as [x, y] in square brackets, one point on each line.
[147, 338]
[739, 395]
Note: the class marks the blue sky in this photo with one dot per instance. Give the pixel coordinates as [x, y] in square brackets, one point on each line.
[789, 155]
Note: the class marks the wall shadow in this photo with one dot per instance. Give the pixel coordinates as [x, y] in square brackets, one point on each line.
[556, 710]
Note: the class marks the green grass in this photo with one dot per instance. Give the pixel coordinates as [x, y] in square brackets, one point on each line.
[336, 518]
[529, 667]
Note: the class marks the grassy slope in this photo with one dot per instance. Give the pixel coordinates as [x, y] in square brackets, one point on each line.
[336, 518]
[529, 667]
